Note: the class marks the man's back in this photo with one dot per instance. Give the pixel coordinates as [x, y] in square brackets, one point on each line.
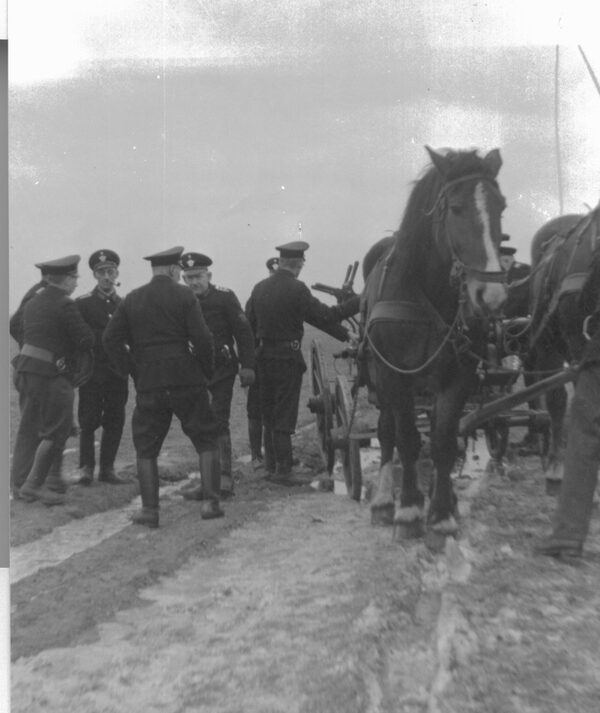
[161, 321]
[280, 304]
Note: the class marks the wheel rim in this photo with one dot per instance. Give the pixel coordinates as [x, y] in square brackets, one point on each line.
[321, 390]
[350, 454]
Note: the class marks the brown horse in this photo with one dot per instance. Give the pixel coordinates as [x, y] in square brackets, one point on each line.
[426, 308]
[561, 258]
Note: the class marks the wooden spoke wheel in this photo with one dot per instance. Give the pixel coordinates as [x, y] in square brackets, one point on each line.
[496, 437]
[321, 404]
[350, 448]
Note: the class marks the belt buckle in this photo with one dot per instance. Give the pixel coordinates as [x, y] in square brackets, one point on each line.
[61, 364]
[295, 345]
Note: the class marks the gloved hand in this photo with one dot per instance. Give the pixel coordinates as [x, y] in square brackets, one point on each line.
[247, 377]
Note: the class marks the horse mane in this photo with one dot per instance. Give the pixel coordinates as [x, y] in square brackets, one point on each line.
[416, 231]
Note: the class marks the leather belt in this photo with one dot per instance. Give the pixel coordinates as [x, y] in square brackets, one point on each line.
[38, 353]
[153, 352]
[293, 344]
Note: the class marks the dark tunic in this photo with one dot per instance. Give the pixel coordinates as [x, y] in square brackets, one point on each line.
[54, 329]
[230, 329]
[103, 398]
[277, 310]
[158, 334]
[16, 321]
[52, 322]
[234, 346]
[96, 308]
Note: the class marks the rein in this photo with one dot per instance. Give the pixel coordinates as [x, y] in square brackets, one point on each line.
[459, 271]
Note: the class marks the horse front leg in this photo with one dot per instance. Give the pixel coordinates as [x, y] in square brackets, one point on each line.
[443, 504]
[382, 503]
[409, 514]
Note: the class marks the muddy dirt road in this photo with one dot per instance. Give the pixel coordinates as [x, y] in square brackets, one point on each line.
[294, 602]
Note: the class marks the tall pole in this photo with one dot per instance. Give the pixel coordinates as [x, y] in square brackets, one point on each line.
[590, 70]
[557, 133]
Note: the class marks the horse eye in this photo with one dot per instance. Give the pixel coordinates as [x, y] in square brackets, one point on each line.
[456, 209]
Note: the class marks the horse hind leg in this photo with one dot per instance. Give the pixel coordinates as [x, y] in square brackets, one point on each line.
[556, 403]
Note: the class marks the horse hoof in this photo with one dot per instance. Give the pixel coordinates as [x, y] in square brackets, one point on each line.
[408, 530]
[552, 487]
[382, 514]
[437, 534]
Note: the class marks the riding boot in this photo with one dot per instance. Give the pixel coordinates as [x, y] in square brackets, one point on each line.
[34, 487]
[255, 430]
[147, 472]
[54, 479]
[283, 455]
[224, 444]
[86, 448]
[210, 473]
[270, 461]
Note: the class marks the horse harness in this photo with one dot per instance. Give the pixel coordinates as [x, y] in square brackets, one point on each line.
[423, 311]
[572, 281]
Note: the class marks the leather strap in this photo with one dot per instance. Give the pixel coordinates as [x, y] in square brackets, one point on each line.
[38, 353]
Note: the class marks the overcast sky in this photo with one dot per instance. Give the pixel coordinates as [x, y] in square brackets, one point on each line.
[373, 81]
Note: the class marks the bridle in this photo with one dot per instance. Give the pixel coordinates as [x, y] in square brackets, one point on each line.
[439, 210]
[460, 271]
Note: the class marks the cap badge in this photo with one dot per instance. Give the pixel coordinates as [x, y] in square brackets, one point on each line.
[190, 262]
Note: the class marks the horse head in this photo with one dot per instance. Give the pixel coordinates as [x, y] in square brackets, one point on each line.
[468, 213]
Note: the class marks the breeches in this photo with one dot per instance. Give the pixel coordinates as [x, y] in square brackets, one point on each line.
[280, 384]
[154, 411]
[103, 404]
[46, 407]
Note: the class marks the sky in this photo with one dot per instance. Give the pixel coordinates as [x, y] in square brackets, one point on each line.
[230, 126]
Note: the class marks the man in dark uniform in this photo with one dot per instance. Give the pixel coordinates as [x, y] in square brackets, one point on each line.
[53, 335]
[277, 309]
[102, 399]
[582, 455]
[230, 330]
[515, 270]
[21, 464]
[158, 334]
[253, 412]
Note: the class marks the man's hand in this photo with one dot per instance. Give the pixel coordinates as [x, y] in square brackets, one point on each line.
[247, 377]
[354, 340]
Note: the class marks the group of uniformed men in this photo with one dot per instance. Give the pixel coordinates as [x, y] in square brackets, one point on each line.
[183, 346]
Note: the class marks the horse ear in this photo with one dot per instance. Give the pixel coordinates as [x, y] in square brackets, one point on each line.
[438, 160]
[493, 161]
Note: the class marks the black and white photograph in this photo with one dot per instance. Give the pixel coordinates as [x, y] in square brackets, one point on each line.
[303, 356]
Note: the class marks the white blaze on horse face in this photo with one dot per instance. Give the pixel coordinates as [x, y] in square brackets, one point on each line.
[492, 262]
[491, 294]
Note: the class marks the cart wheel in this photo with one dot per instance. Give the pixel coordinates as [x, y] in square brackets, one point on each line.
[496, 437]
[322, 404]
[350, 453]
